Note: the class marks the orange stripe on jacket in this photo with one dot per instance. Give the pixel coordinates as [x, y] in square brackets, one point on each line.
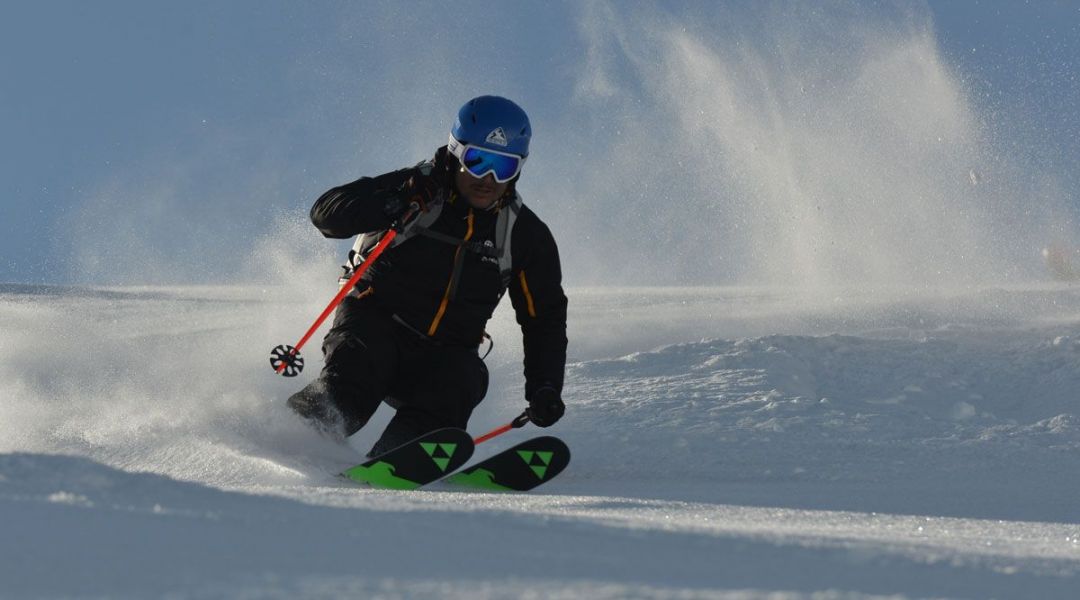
[450, 284]
[528, 296]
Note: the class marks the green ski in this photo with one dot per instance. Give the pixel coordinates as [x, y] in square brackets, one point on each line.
[416, 463]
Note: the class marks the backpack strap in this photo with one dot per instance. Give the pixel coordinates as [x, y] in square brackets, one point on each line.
[504, 228]
[421, 225]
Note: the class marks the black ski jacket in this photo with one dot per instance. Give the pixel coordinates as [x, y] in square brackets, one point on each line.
[414, 280]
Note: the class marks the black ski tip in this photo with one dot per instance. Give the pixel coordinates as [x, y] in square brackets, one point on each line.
[286, 360]
[520, 468]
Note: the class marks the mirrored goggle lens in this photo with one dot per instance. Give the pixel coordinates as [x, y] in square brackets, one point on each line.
[481, 162]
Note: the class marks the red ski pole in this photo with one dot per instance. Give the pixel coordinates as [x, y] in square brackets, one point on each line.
[520, 421]
[285, 359]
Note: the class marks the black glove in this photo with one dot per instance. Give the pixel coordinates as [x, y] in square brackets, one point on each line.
[419, 189]
[545, 407]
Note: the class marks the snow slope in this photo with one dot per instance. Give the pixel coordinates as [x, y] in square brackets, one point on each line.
[728, 442]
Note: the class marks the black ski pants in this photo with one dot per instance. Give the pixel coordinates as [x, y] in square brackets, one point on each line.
[371, 358]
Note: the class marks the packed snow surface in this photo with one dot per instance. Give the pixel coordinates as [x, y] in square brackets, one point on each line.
[728, 443]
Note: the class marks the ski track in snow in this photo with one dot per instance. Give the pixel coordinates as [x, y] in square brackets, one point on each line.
[728, 443]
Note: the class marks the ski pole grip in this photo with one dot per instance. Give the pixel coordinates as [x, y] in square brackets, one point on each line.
[399, 224]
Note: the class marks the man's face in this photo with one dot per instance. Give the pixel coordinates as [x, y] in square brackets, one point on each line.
[481, 193]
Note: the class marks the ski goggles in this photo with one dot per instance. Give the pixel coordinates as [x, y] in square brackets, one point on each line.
[481, 161]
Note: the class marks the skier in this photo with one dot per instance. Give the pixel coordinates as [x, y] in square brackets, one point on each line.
[409, 333]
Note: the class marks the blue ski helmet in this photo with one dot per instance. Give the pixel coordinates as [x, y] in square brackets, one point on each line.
[495, 123]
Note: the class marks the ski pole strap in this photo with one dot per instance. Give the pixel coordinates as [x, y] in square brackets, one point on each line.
[406, 217]
[520, 421]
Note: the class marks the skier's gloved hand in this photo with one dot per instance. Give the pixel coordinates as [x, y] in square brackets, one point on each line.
[394, 206]
[545, 407]
[420, 189]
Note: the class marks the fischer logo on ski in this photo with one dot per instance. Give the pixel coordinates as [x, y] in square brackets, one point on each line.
[440, 453]
[537, 461]
[520, 468]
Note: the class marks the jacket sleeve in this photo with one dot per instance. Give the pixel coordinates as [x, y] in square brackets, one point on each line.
[540, 305]
[357, 207]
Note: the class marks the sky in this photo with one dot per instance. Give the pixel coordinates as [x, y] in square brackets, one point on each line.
[675, 143]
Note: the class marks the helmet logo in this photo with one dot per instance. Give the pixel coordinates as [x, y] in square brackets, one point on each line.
[497, 137]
